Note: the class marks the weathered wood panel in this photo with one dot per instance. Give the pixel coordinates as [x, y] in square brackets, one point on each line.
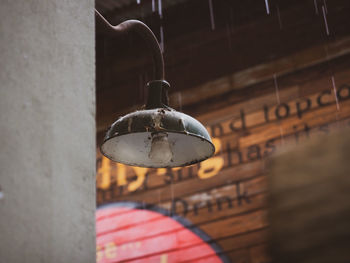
[225, 196]
[259, 141]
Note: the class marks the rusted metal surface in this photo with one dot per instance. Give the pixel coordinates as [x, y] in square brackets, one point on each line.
[157, 120]
[144, 124]
[132, 139]
[157, 94]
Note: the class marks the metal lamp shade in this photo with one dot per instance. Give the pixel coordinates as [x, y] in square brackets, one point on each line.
[158, 136]
[129, 139]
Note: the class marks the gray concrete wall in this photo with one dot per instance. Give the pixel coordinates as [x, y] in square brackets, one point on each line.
[47, 128]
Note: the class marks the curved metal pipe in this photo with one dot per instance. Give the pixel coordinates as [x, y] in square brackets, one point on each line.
[139, 28]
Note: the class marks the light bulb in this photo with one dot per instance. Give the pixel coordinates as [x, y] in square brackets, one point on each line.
[160, 152]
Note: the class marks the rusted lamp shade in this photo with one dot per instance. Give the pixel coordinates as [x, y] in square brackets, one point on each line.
[158, 136]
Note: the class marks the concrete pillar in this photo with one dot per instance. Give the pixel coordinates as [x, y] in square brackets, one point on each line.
[309, 206]
[47, 131]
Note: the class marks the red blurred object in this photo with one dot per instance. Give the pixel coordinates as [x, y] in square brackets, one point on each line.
[130, 234]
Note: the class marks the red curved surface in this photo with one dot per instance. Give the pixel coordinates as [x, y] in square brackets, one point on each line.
[134, 235]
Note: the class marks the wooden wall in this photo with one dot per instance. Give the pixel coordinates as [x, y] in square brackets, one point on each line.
[246, 48]
[225, 196]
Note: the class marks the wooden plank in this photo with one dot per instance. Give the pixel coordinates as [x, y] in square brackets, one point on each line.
[236, 225]
[251, 222]
[254, 108]
[238, 80]
[251, 239]
[224, 84]
[161, 195]
[296, 107]
[259, 134]
[181, 188]
[260, 254]
[221, 229]
[319, 116]
[216, 198]
[249, 247]
[248, 239]
[240, 256]
[204, 216]
[255, 254]
[252, 105]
